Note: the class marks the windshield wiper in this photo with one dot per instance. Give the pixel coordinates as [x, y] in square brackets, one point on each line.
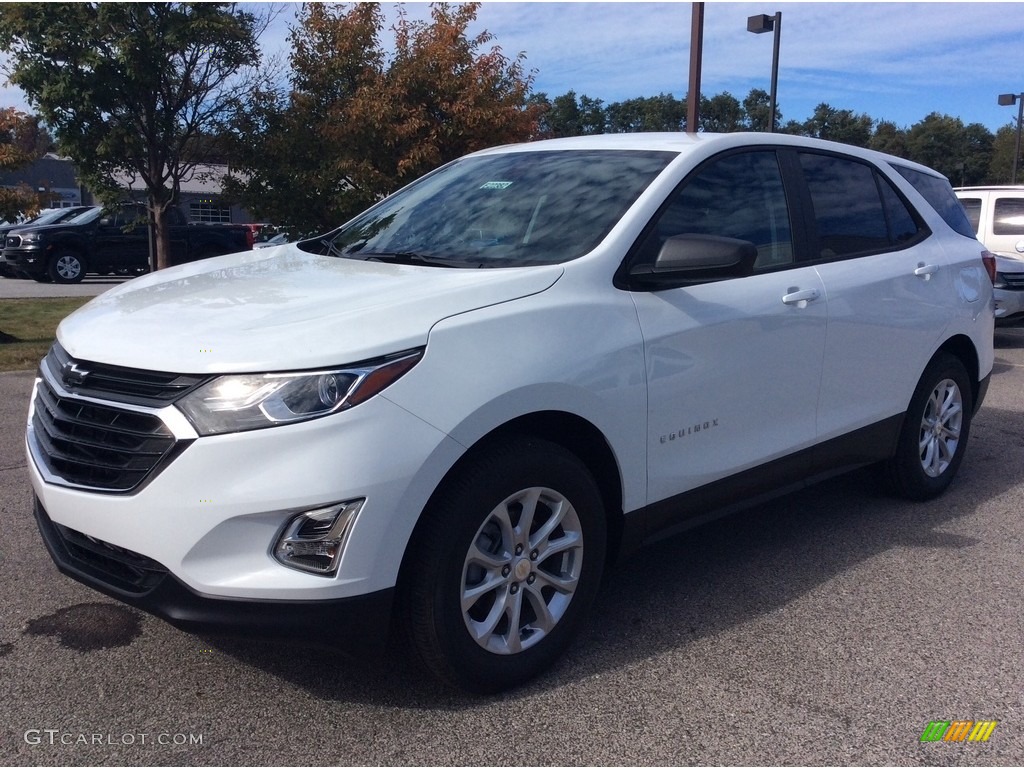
[409, 257]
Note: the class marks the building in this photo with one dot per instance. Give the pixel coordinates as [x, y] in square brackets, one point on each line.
[53, 178]
[56, 181]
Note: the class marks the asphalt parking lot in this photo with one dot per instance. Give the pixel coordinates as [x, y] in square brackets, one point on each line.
[92, 285]
[828, 627]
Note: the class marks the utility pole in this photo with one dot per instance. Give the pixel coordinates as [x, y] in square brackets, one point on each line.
[696, 55]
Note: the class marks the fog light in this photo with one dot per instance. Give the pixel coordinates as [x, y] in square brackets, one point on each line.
[314, 541]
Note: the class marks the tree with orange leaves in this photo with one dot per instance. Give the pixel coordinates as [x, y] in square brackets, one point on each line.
[358, 122]
[20, 144]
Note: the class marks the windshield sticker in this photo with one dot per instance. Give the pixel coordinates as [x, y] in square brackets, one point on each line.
[496, 185]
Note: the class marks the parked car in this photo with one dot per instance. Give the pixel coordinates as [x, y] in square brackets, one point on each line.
[279, 239]
[47, 216]
[452, 414]
[997, 216]
[114, 240]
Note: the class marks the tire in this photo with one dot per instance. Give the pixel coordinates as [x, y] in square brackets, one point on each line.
[935, 430]
[487, 599]
[67, 267]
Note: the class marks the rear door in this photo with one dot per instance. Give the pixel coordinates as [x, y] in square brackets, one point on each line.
[888, 285]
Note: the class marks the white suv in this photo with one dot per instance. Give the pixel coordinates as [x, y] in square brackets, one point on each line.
[456, 410]
[997, 216]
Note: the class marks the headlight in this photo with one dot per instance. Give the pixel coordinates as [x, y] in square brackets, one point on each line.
[30, 237]
[253, 401]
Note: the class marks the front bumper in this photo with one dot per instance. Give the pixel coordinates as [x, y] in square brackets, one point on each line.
[357, 625]
[28, 260]
[212, 513]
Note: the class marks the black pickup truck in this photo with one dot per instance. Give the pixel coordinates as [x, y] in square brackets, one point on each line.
[104, 240]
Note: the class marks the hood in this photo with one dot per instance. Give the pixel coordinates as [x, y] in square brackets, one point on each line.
[281, 309]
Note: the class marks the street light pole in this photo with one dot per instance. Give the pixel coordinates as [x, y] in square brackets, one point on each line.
[764, 23]
[1008, 100]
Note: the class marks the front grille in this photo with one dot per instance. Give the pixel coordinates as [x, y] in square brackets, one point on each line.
[100, 447]
[1014, 280]
[128, 385]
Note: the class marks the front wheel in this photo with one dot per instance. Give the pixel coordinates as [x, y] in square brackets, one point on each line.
[504, 566]
[935, 431]
[67, 267]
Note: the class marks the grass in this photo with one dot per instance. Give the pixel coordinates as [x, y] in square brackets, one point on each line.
[28, 327]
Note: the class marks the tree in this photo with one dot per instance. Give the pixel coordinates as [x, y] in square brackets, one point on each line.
[567, 115]
[840, 125]
[1000, 168]
[961, 153]
[758, 108]
[129, 88]
[21, 142]
[721, 113]
[358, 123]
[663, 112]
[889, 138]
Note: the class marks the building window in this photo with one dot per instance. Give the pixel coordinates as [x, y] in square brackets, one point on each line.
[208, 212]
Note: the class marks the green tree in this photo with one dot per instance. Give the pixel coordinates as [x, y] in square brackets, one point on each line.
[663, 112]
[568, 115]
[977, 157]
[21, 142]
[889, 138]
[1000, 167]
[127, 88]
[758, 109]
[721, 113]
[358, 122]
[840, 125]
[961, 153]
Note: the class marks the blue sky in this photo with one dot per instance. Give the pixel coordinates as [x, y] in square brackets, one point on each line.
[894, 61]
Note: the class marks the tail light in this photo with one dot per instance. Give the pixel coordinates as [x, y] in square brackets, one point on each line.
[250, 238]
[990, 265]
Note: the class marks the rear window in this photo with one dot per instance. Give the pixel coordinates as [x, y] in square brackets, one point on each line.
[972, 207]
[939, 194]
[1009, 216]
[855, 210]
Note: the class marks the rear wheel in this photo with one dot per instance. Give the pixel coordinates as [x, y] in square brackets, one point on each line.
[67, 267]
[505, 565]
[935, 431]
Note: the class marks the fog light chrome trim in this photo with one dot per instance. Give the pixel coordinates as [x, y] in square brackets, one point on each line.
[314, 540]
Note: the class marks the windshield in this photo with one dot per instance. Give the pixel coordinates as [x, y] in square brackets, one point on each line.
[47, 216]
[86, 216]
[514, 209]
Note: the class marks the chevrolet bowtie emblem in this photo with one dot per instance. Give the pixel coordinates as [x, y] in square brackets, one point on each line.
[72, 375]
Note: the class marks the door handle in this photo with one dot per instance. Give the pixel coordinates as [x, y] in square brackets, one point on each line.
[800, 298]
[926, 270]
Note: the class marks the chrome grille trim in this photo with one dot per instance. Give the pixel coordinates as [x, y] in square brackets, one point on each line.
[154, 389]
[98, 445]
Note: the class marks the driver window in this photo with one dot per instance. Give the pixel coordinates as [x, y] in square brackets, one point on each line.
[739, 196]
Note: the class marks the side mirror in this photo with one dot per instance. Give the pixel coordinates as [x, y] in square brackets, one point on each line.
[690, 259]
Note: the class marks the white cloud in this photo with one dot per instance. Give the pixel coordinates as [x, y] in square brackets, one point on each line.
[896, 61]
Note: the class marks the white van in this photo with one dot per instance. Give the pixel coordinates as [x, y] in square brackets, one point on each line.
[997, 215]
